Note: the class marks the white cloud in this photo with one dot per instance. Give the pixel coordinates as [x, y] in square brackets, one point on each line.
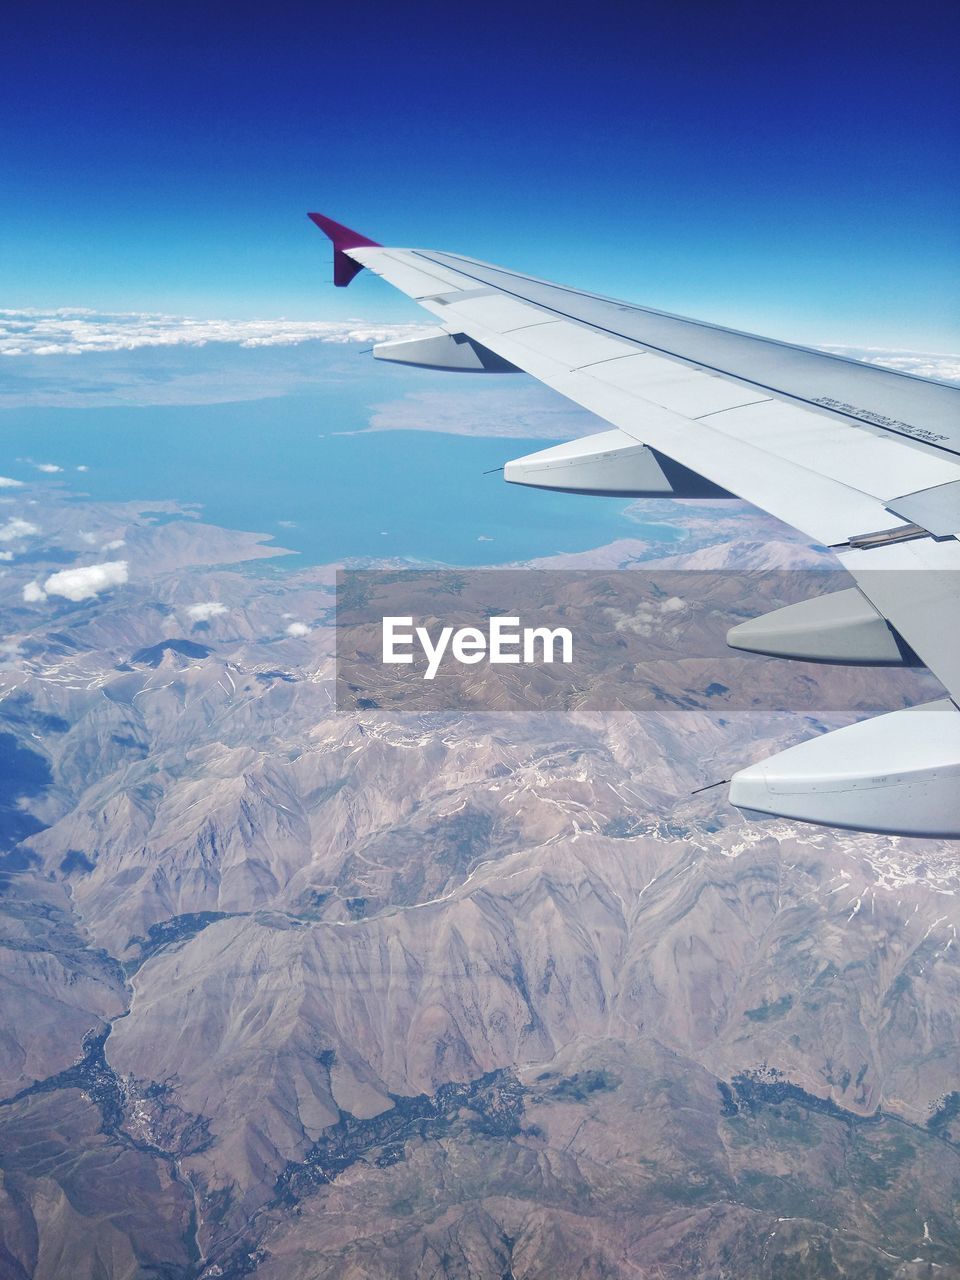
[82, 467]
[86, 582]
[7, 483]
[15, 528]
[942, 365]
[205, 610]
[298, 629]
[49, 467]
[33, 593]
[6, 555]
[114, 545]
[72, 331]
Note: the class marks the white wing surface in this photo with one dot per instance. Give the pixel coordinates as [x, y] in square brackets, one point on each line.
[862, 459]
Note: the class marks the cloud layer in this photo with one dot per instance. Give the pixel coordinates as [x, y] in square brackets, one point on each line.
[941, 365]
[73, 331]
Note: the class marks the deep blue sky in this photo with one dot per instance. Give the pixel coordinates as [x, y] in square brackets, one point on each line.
[785, 168]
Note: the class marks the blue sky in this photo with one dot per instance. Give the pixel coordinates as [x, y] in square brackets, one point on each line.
[786, 169]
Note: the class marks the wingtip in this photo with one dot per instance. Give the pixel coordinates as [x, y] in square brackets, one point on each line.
[344, 238]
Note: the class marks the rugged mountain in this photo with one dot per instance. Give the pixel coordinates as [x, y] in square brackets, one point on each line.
[455, 992]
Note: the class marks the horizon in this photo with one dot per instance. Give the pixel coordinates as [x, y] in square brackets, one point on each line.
[696, 171]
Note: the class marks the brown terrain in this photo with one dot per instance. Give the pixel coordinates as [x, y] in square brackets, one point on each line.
[302, 993]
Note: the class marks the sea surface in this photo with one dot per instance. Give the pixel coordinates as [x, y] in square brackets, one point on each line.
[304, 470]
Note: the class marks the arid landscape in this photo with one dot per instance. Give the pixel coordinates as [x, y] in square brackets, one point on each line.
[306, 993]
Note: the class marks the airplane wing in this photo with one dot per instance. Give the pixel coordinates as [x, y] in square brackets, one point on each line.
[864, 460]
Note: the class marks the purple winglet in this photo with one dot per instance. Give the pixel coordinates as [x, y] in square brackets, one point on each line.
[344, 268]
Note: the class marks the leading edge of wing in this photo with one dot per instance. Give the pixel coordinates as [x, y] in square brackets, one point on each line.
[922, 412]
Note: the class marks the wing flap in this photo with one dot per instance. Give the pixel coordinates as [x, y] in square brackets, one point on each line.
[936, 508]
[916, 586]
[880, 467]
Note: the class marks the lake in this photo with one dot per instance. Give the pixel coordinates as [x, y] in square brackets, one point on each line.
[301, 468]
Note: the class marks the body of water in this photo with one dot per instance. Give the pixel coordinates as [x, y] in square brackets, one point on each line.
[301, 469]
